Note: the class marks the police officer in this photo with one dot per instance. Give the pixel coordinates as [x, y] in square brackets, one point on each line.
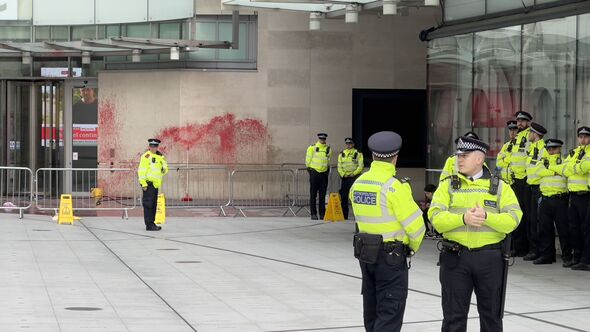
[152, 168]
[474, 210]
[534, 163]
[579, 198]
[390, 228]
[450, 167]
[317, 161]
[518, 160]
[553, 208]
[503, 158]
[350, 165]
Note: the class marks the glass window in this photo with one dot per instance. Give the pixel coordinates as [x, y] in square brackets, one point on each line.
[59, 33]
[458, 9]
[449, 88]
[583, 83]
[84, 32]
[139, 30]
[113, 31]
[225, 34]
[494, 6]
[170, 30]
[496, 84]
[549, 51]
[42, 33]
[205, 31]
[15, 33]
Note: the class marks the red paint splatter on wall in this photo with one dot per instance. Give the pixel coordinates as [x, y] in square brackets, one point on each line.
[224, 139]
[109, 131]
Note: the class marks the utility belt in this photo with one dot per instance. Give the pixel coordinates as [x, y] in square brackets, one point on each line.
[579, 193]
[368, 247]
[456, 248]
[558, 196]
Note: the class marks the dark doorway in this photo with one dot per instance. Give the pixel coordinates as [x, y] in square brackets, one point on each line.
[402, 111]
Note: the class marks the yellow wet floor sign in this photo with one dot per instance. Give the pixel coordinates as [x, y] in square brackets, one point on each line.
[334, 209]
[66, 210]
[161, 210]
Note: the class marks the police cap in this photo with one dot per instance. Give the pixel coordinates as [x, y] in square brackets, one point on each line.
[522, 115]
[468, 144]
[154, 142]
[385, 144]
[348, 140]
[322, 135]
[511, 125]
[538, 129]
[553, 143]
[584, 131]
[469, 134]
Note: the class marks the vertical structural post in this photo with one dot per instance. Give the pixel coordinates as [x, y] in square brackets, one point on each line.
[235, 39]
[34, 137]
[67, 136]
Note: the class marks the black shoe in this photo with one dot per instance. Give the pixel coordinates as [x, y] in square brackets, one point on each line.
[568, 263]
[531, 256]
[314, 217]
[543, 260]
[153, 228]
[581, 267]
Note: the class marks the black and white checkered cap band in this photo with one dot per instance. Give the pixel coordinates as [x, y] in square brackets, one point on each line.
[584, 131]
[536, 131]
[463, 146]
[553, 144]
[385, 155]
[523, 117]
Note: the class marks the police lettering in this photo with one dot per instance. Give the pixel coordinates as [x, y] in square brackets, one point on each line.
[366, 198]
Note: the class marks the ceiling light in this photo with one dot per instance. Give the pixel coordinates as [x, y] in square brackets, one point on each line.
[389, 7]
[27, 58]
[136, 55]
[315, 20]
[431, 3]
[351, 14]
[86, 58]
[174, 53]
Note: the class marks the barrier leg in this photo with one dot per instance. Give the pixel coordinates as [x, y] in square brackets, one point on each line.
[222, 211]
[125, 214]
[21, 213]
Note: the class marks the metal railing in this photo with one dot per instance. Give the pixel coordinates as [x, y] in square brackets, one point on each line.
[197, 187]
[16, 189]
[262, 189]
[92, 189]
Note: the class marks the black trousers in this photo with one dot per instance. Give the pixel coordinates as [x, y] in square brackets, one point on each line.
[149, 201]
[385, 289]
[461, 275]
[586, 232]
[533, 215]
[318, 183]
[520, 242]
[344, 190]
[576, 216]
[553, 210]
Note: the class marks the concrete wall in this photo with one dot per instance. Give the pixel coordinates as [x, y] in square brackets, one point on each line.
[303, 85]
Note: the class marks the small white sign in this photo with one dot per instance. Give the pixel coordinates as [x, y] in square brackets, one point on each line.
[75, 156]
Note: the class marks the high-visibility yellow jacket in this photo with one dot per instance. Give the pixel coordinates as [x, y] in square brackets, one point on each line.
[450, 168]
[503, 161]
[384, 205]
[448, 206]
[519, 155]
[152, 168]
[318, 157]
[577, 180]
[350, 163]
[582, 167]
[552, 183]
[534, 162]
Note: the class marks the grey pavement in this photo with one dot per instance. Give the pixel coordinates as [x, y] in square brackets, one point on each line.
[234, 274]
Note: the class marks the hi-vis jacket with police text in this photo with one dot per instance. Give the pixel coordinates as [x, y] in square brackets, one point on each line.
[551, 182]
[582, 167]
[534, 162]
[519, 154]
[577, 179]
[318, 157]
[350, 163]
[449, 168]
[384, 205]
[152, 167]
[503, 161]
[449, 205]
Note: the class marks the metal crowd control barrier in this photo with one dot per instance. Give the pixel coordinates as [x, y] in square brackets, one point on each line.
[16, 189]
[197, 187]
[92, 189]
[262, 189]
[301, 195]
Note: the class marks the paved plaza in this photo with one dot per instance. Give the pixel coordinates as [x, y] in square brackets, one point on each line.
[234, 274]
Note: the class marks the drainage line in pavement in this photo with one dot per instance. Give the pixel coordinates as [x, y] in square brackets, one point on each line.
[139, 277]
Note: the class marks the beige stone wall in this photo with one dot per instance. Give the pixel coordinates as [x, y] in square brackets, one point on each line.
[303, 85]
